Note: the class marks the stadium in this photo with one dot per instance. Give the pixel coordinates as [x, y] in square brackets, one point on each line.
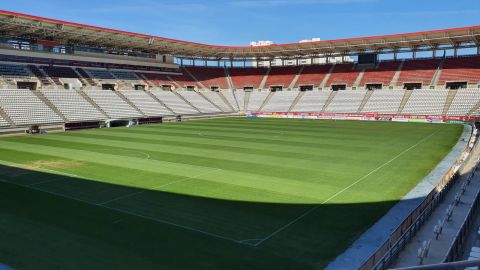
[122, 150]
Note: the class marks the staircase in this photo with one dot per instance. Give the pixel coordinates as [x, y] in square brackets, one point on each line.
[145, 80]
[295, 80]
[267, 99]
[83, 74]
[438, 72]
[120, 95]
[242, 107]
[229, 79]
[50, 105]
[329, 100]
[451, 95]
[296, 100]
[264, 80]
[220, 94]
[174, 82]
[359, 78]
[195, 79]
[215, 105]
[405, 99]
[184, 99]
[159, 101]
[246, 99]
[40, 75]
[365, 100]
[396, 76]
[327, 77]
[87, 98]
[5, 116]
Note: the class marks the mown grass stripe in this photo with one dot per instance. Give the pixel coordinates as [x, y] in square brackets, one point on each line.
[290, 162]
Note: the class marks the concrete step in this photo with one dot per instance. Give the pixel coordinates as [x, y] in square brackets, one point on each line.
[295, 101]
[267, 99]
[89, 100]
[119, 94]
[159, 101]
[451, 95]
[329, 100]
[327, 77]
[365, 100]
[265, 78]
[50, 105]
[405, 99]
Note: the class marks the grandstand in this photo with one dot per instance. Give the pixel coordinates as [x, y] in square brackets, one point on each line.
[250, 184]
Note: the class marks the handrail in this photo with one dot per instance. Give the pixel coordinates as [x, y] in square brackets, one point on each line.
[398, 239]
[457, 248]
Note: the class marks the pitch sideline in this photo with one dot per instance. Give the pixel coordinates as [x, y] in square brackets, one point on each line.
[306, 213]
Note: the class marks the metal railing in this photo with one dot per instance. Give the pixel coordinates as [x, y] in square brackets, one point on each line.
[457, 249]
[399, 238]
[445, 266]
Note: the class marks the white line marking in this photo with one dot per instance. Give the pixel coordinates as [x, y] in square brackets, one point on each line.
[128, 212]
[157, 187]
[249, 240]
[341, 191]
[43, 182]
[25, 167]
[145, 155]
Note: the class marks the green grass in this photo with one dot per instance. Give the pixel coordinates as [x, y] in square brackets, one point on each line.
[230, 193]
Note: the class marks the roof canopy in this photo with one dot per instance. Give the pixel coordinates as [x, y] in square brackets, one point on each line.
[67, 33]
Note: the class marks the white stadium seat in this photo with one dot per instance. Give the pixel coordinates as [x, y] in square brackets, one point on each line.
[199, 102]
[25, 108]
[281, 101]
[217, 100]
[112, 104]
[384, 101]
[256, 100]
[178, 105]
[426, 102]
[346, 101]
[72, 105]
[146, 103]
[312, 101]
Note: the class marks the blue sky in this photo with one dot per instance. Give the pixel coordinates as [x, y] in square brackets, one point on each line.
[237, 22]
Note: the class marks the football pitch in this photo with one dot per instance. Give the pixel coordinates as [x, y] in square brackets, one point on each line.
[230, 193]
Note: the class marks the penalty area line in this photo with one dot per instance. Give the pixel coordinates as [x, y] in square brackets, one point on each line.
[306, 213]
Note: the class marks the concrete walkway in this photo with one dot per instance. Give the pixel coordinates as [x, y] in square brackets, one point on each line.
[439, 247]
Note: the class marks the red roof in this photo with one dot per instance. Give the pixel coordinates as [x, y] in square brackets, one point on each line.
[261, 49]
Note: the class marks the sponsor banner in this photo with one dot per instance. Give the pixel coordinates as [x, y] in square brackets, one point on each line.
[367, 117]
[418, 120]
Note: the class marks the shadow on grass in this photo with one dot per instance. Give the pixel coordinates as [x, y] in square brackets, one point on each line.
[50, 221]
